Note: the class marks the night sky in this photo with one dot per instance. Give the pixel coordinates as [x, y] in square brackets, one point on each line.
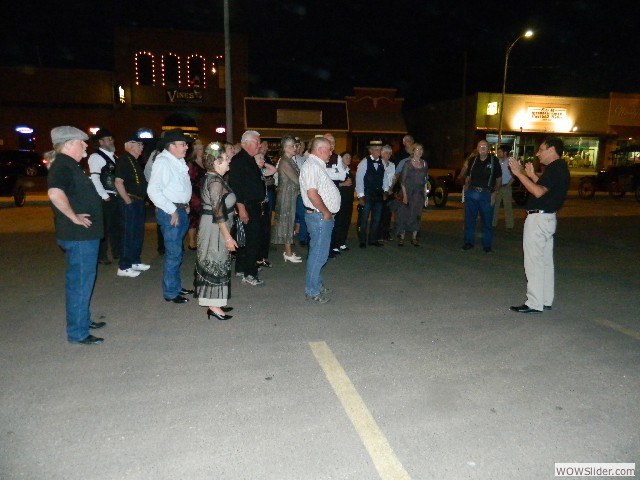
[321, 49]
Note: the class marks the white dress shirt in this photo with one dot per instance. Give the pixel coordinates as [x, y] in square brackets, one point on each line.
[337, 172]
[389, 172]
[169, 182]
[96, 162]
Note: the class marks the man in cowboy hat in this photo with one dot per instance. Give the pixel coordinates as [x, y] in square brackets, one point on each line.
[170, 190]
[102, 165]
[369, 178]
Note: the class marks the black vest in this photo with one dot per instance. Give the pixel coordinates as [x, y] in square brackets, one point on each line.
[373, 180]
[108, 172]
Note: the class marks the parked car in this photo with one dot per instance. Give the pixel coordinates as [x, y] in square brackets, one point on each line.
[10, 186]
[617, 180]
[24, 162]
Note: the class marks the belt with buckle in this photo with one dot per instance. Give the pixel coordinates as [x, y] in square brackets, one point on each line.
[135, 197]
[183, 206]
[479, 189]
[539, 211]
[311, 210]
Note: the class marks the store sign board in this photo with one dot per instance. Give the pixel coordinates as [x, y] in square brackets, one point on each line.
[184, 96]
[624, 111]
[301, 117]
[546, 114]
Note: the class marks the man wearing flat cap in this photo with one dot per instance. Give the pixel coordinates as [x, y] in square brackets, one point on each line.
[170, 190]
[132, 188]
[102, 165]
[369, 179]
[79, 227]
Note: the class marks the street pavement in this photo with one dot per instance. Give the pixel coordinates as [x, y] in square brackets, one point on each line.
[415, 369]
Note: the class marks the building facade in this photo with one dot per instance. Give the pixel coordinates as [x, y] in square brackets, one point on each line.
[593, 129]
[162, 79]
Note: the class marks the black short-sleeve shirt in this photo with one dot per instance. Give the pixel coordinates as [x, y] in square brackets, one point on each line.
[556, 179]
[130, 171]
[67, 175]
[481, 172]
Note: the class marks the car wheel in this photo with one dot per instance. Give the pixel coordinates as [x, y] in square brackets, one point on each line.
[31, 171]
[586, 188]
[614, 190]
[19, 196]
[440, 195]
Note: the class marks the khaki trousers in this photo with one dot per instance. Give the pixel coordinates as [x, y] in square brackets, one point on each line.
[504, 195]
[537, 243]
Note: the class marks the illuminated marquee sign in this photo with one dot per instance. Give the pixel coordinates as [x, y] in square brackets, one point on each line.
[546, 114]
[184, 96]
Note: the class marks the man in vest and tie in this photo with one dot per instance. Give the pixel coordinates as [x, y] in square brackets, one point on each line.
[102, 166]
[369, 179]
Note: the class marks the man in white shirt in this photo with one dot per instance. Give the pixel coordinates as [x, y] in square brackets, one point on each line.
[102, 165]
[322, 201]
[170, 190]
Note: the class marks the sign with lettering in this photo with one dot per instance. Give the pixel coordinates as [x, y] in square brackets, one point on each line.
[546, 114]
[624, 110]
[178, 95]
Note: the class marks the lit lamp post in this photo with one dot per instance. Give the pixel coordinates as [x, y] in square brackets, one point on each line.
[526, 34]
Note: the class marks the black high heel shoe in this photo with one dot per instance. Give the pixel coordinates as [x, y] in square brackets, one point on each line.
[219, 317]
[226, 309]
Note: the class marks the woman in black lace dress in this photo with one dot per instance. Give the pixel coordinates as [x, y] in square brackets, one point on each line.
[213, 265]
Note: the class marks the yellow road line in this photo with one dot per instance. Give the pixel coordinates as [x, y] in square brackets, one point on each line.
[618, 328]
[381, 453]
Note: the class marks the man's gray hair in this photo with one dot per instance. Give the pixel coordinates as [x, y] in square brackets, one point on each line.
[387, 148]
[315, 143]
[248, 135]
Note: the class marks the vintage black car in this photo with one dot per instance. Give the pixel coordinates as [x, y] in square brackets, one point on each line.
[10, 186]
[24, 162]
[617, 180]
[621, 177]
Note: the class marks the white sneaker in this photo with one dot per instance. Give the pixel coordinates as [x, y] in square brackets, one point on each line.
[253, 281]
[293, 258]
[140, 267]
[239, 274]
[129, 272]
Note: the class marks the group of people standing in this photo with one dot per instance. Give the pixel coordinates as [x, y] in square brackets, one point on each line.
[234, 185]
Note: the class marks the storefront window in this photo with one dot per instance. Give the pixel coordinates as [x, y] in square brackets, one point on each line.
[581, 153]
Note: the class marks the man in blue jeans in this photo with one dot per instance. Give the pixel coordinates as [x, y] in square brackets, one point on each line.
[77, 209]
[321, 199]
[483, 179]
[170, 190]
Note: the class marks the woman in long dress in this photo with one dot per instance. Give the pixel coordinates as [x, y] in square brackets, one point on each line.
[413, 181]
[213, 264]
[288, 190]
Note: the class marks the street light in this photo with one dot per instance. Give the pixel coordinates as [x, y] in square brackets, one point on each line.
[527, 34]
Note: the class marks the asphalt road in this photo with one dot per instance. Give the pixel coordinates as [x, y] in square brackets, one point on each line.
[416, 368]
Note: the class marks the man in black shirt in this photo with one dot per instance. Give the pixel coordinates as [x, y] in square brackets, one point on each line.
[548, 194]
[483, 178]
[246, 181]
[77, 209]
[131, 185]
